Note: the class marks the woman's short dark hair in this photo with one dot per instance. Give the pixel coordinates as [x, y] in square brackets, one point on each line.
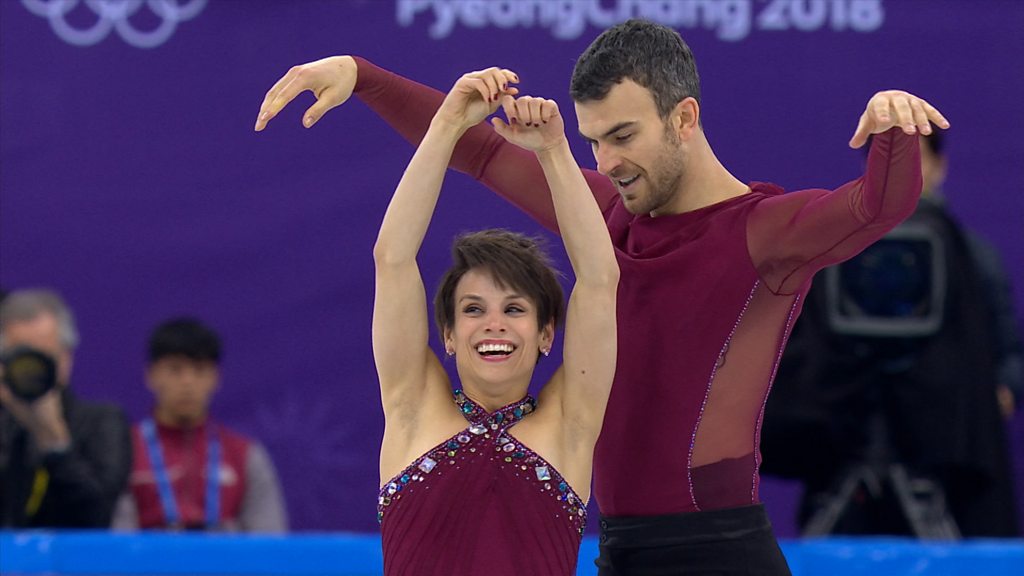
[652, 55]
[513, 261]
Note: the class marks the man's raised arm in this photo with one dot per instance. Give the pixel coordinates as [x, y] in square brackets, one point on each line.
[408, 106]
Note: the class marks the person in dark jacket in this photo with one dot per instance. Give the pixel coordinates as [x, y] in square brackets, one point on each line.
[850, 402]
[63, 461]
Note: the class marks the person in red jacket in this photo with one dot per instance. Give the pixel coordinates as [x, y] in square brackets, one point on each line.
[190, 472]
[714, 272]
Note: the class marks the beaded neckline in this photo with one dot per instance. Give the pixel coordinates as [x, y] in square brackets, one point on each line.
[504, 417]
[486, 437]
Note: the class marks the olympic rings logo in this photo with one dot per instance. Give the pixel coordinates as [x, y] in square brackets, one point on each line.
[115, 15]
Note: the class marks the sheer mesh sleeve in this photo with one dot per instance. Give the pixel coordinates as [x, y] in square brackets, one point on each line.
[510, 171]
[793, 235]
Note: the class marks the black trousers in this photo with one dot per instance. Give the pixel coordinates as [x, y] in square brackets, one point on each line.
[733, 541]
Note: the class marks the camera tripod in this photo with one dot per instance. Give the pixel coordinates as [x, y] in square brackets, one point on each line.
[921, 500]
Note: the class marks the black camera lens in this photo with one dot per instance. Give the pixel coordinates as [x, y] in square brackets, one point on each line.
[28, 372]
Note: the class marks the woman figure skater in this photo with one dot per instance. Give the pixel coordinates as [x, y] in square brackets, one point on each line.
[478, 477]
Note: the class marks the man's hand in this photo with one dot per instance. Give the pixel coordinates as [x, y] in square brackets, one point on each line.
[533, 123]
[896, 108]
[331, 80]
[475, 96]
[43, 418]
[1007, 403]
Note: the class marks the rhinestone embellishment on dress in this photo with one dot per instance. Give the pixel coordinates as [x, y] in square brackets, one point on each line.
[485, 439]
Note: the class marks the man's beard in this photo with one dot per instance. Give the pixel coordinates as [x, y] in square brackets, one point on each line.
[663, 178]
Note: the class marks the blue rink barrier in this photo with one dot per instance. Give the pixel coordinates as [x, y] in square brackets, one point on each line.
[155, 554]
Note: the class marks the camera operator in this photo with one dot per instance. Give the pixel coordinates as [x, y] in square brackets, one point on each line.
[851, 406]
[63, 461]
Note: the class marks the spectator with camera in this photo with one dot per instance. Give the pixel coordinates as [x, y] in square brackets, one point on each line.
[191, 472]
[63, 461]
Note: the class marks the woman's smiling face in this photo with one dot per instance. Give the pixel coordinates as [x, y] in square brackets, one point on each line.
[496, 339]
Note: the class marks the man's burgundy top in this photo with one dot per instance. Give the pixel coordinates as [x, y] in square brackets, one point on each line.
[481, 502]
[706, 302]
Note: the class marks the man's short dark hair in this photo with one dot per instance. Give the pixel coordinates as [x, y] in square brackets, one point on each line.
[513, 261]
[187, 337]
[652, 55]
[935, 141]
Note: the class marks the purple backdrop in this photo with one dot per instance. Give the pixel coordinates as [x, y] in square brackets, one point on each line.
[131, 180]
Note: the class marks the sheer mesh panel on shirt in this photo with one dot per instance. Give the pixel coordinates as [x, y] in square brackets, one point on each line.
[723, 462]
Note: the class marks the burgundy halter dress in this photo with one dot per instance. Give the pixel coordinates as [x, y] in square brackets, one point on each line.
[481, 502]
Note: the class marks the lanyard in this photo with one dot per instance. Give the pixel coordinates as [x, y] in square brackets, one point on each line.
[40, 483]
[163, 482]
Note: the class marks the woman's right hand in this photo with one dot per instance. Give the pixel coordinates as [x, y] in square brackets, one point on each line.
[533, 123]
[475, 96]
[331, 80]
